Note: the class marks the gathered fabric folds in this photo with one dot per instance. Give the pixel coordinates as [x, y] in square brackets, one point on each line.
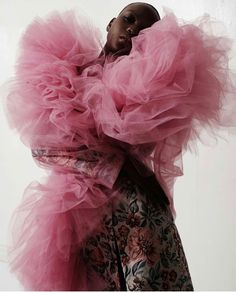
[50, 227]
[81, 119]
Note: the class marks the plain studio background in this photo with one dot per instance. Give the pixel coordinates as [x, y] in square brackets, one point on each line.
[204, 197]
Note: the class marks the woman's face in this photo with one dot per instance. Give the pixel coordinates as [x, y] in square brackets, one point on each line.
[128, 24]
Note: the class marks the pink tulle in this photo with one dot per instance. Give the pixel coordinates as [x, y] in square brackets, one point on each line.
[150, 104]
[50, 227]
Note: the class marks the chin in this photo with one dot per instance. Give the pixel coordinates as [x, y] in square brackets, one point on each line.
[123, 51]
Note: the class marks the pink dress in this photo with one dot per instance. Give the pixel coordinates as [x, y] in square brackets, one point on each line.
[149, 106]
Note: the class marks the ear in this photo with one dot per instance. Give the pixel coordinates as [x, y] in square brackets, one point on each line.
[110, 23]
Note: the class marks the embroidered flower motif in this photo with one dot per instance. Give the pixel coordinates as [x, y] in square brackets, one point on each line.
[122, 246]
[142, 245]
[165, 287]
[177, 242]
[125, 260]
[164, 275]
[133, 220]
[172, 276]
[139, 284]
[152, 258]
[97, 256]
[123, 231]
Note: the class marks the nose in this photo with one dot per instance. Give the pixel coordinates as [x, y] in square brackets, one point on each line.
[129, 31]
[132, 31]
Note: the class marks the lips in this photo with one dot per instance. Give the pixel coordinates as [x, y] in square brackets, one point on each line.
[123, 45]
[125, 39]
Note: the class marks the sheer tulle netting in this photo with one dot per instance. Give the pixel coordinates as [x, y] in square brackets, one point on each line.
[151, 105]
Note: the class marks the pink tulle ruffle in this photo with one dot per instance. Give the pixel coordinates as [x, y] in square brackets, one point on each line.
[151, 104]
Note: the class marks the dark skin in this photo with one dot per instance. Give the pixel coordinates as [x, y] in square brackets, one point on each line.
[132, 19]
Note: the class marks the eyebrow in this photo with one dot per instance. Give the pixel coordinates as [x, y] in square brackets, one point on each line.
[142, 26]
[134, 13]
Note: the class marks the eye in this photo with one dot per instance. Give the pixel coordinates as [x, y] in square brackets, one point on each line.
[129, 18]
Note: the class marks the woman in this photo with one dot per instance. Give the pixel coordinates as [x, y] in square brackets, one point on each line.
[110, 125]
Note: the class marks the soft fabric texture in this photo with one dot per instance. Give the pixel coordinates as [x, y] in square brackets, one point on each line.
[141, 239]
[148, 105]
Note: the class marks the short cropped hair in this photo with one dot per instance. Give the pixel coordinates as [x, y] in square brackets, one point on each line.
[147, 4]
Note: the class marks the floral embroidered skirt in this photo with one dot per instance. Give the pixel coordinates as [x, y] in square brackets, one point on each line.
[139, 247]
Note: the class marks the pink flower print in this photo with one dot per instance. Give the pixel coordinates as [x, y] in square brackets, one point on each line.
[97, 256]
[133, 220]
[143, 245]
[123, 231]
[125, 260]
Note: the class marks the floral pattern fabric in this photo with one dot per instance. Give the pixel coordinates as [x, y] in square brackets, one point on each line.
[139, 248]
[103, 167]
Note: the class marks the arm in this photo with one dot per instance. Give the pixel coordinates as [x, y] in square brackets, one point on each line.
[102, 167]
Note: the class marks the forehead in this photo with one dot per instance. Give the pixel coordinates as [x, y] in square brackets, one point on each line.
[140, 10]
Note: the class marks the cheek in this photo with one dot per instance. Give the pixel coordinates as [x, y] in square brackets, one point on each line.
[114, 43]
[112, 39]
